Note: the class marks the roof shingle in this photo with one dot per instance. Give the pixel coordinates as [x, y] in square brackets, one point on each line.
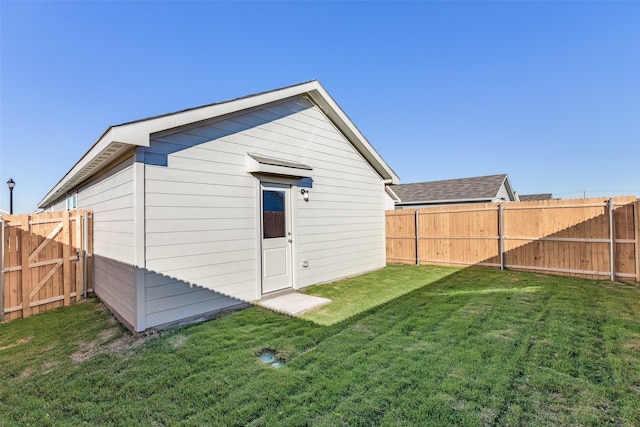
[481, 187]
[535, 197]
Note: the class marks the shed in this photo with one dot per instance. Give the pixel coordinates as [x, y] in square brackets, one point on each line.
[479, 189]
[207, 209]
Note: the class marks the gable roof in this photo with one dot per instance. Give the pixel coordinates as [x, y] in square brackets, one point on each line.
[118, 139]
[476, 189]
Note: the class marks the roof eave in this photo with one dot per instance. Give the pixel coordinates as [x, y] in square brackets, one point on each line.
[392, 194]
[326, 103]
[449, 201]
[110, 146]
[507, 183]
[138, 133]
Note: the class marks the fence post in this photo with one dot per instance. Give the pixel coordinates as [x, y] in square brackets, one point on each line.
[501, 234]
[636, 207]
[2, 270]
[25, 272]
[85, 251]
[66, 255]
[417, 237]
[78, 248]
[612, 242]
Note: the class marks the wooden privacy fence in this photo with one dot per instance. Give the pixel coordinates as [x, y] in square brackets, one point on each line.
[594, 238]
[44, 261]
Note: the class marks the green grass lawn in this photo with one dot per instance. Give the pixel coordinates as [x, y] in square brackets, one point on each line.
[451, 346]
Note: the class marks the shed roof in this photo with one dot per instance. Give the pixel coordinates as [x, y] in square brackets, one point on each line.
[118, 139]
[452, 190]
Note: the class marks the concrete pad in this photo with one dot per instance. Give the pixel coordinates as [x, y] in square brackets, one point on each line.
[293, 304]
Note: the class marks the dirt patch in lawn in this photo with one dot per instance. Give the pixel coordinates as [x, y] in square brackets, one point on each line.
[17, 343]
[105, 344]
[633, 344]
[27, 373]
[48, 367]
[177, 341]
[505, 334]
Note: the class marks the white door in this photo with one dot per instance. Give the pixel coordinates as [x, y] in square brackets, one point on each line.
[276, 237]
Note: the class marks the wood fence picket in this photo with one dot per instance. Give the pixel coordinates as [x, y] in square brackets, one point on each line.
[45, 261]
[581, 237]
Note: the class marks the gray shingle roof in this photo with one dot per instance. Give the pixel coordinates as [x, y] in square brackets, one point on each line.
[481, 187]
[534, 197]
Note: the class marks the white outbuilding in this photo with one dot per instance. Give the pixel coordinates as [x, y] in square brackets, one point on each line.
[210, 208]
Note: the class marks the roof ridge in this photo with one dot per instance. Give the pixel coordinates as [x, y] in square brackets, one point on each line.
[212, 104]
[502, 175]
[468, 188]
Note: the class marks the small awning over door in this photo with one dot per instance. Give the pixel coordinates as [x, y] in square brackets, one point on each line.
[272, 166]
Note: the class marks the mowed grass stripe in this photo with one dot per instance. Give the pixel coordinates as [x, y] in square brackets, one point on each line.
[450, 346]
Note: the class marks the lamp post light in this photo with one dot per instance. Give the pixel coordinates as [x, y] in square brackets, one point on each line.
[11, 183]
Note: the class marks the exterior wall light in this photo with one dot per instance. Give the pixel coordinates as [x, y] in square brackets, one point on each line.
[305, 194]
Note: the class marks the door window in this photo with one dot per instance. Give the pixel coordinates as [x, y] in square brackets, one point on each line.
[273, 214]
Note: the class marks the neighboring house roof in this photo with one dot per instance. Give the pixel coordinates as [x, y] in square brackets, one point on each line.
[535, 197]
[461, 190]
[119, 139]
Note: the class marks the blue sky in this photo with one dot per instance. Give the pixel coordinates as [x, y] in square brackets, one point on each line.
[548, 92]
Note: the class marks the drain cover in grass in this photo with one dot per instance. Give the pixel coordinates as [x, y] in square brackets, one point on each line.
[267, 357]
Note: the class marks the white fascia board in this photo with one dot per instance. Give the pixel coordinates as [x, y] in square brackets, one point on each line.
[106, 149]
[138, 133]
[507, 184]
[392, 194]
[322, 98]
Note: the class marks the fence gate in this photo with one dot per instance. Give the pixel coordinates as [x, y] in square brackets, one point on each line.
[44, 261]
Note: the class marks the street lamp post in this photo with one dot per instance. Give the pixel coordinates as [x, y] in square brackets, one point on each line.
[11, 183]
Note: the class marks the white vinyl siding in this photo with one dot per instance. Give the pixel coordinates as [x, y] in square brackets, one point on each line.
[503, 194]
[58, 206]
[389, 203]
[176, 224]
[115, 284]
[110, 197]
[168, 300]
[201, 207]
